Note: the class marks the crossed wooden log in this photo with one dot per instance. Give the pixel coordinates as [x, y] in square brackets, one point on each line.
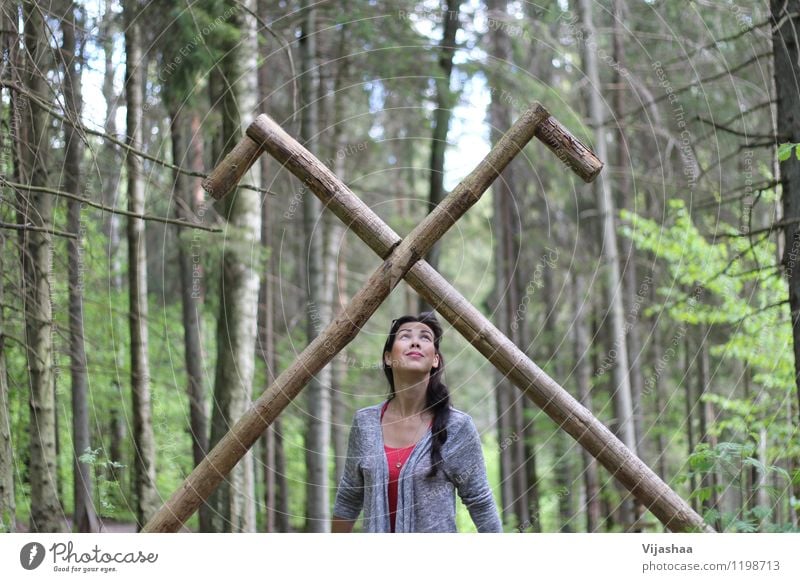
[403, 258]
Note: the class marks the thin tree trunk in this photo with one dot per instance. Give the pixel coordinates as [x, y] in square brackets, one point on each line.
[36, 256]
[513, 476]
[690, 416]
[8, 519]
[266, 315]
[786, 55]
[319, 407]
[84, 517]
[190, 265]
[628, 258]
[583, 377]
[114, 436]
[441, 117]
[786, 58]
[792, 468]
[237, 321]
[706, 417]
[335, 268]
[9, 41]
[143, 438]
[562, 470]
[621, 380]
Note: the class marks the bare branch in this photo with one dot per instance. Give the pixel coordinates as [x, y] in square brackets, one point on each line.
[105, 208]
[722, 127]
[12, 226]
[79, 126]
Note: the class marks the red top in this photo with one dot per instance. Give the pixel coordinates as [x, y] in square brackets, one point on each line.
[396, 458]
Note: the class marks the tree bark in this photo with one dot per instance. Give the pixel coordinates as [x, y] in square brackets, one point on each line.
[191, 278]
[513, 474]
[318, 305]
[335, 262]
[84, 517]
[8, 509]
[441, 117]
[583, 378]
[36, 250]
[236, 324]
[627, 200]
[706, 416]
[605, 203]
[143, 437]
[786, 56]
[691, 440]
[9, 41]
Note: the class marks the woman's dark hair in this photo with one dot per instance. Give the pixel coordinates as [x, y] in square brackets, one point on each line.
[437, 398]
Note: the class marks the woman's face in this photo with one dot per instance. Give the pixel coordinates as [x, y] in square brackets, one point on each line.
[413, 348]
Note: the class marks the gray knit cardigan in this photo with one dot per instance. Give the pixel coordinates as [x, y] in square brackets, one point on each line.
[423, 504]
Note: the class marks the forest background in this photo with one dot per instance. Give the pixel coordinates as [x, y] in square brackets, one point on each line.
[138, 320]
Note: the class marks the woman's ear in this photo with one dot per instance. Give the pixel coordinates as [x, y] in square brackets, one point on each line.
[387, 359]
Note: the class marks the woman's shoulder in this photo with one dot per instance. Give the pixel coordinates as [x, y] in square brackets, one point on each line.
[368, 415]
[458, 417]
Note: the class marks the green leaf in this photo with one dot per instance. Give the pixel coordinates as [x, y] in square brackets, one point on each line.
[785, 150]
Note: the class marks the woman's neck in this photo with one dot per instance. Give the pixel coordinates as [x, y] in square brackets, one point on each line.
[410, 394]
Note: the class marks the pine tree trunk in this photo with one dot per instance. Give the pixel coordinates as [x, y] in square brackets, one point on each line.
[513, 476]
[111, 163]
[190, 266]
[8, 521]
[605, 203]
[627, 200]
[84, 516]
[318, 398]
[786, 55]
[36, 250]
[147, 498]
[441, 118]
[335, 268]
[9, 40]
[583, 377]
[706, 416]
[237, 321]
[689, 399]
[562, 470]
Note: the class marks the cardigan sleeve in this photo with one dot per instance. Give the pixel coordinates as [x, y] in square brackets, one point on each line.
[350, 494]
[471, 481]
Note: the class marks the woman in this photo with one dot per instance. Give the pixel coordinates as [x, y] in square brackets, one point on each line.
[407, 456]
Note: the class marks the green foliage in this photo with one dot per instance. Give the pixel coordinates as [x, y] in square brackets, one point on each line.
[722, 285]
[731, 461]
[191, 43]
[108, 494]
[785, 151]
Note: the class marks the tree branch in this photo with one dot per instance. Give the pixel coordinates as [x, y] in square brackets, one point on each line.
[81, 127]
[739, 133]
[692, 84]
[11, 226]
[767, 229]
[99, 206]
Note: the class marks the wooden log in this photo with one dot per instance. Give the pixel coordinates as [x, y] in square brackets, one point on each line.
[545, 392]
[569, 149]
[235, 444]
[227, 174]
[553, 134]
